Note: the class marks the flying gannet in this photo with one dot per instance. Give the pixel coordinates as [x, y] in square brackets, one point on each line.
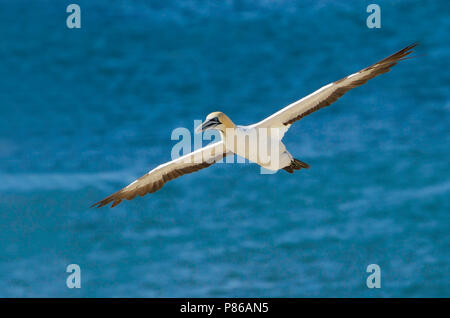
[274, 127]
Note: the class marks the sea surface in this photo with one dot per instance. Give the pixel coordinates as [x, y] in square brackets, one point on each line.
[83, 112]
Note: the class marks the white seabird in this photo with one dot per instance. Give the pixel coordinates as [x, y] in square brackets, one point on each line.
[278, 123]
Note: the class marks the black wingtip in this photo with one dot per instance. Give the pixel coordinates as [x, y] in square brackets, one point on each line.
[99, 204]
[95, 205]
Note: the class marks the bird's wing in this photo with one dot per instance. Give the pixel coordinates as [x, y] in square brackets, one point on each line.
[156, 178]
[328, 94]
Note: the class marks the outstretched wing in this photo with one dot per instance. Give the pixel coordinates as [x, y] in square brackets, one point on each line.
[330, 93]
[156, 178]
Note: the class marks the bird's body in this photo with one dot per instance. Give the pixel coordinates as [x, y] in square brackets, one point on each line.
[260, 143]
[261, 146]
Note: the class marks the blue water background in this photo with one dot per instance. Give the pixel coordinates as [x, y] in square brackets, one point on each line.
[84, 112]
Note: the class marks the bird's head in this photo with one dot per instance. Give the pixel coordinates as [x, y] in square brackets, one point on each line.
[216, 120]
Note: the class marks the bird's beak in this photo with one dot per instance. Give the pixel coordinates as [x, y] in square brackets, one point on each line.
[207, 124]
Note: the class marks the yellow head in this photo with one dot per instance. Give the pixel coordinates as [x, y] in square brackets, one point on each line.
[216, 120]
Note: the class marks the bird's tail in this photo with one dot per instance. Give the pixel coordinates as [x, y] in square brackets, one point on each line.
[296, 165]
